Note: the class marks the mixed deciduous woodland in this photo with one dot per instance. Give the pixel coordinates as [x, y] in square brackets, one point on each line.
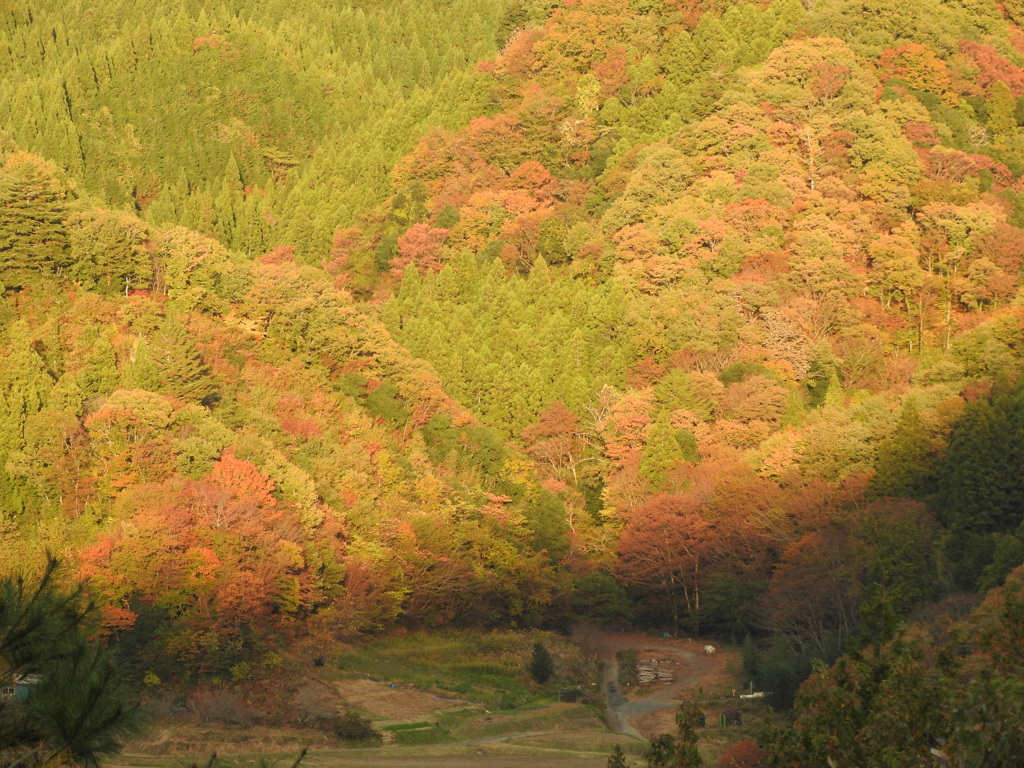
[333, 318]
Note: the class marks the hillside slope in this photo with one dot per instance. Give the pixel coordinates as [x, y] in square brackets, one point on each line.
[708, 317]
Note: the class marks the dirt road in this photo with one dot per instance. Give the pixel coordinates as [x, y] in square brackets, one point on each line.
[642, 712]
[636, 712]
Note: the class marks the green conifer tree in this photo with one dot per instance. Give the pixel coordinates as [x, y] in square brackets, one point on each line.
[100, 374]
[179, 366]
[33, 205]
[546, 517]
[108, 251]
[66, 395]
[980, 484]
[687, 445]
[676, 391]
[24, 386]
[1002, 105]
[141, 372]
[542, 666]
[662, 451]
[834, 395]
[904, 463]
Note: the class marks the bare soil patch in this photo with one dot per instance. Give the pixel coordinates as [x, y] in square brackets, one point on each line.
[671, 670]
[711, 680]
[383, 702]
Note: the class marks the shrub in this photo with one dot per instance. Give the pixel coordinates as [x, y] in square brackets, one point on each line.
[352, 726]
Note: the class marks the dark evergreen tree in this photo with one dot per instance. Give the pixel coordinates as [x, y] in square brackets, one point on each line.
[661, 751]
[74, 710]
[546, 516]
[617, 759]
[904, 464]
[542, 666]
[980, 483]
[551, 241]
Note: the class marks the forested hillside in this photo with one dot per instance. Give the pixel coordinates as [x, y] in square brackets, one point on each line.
[338, 318]
[754, 278]
[258, 124]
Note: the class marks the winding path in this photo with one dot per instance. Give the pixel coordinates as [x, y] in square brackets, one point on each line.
[623, 712]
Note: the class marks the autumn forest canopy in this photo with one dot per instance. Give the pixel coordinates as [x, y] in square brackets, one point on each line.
[336, 317]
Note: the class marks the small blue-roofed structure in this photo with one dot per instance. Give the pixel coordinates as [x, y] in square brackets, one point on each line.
[19, 687]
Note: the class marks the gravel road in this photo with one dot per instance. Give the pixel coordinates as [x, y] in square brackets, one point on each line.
[623, 712]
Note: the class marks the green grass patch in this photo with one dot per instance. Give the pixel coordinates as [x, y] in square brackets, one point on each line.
[485, 667]
[454, 719]
[435, 734]
[406, 726]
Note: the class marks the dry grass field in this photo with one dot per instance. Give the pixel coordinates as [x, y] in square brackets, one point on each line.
[464, 700]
